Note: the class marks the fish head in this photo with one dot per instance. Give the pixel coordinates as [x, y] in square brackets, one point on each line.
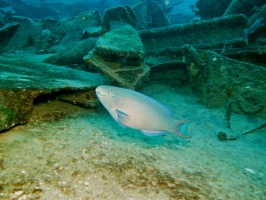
[111, 98]
[104, 92]
[111, 92]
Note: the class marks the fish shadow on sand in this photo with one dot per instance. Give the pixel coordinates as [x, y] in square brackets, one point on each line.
[118, 132]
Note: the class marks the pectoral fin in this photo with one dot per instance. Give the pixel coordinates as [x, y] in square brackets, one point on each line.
[122, 117]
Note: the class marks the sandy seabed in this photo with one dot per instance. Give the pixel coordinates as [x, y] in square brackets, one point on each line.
[87, 155]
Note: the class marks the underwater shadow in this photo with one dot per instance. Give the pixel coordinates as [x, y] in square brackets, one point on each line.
[115, 131]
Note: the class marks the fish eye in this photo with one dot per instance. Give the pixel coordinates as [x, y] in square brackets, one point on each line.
[110, 94]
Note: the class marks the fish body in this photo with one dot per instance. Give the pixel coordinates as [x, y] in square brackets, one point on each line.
[138, 111]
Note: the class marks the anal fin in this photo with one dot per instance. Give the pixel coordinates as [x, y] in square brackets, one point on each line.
[153, 132]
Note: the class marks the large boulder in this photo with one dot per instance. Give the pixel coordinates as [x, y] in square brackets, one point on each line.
[118, 14]
[120, 54]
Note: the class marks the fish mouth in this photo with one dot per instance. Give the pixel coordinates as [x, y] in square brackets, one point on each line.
[98, 92]
[99, 95]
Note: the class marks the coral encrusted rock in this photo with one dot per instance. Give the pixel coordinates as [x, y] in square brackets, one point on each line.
[120, 55]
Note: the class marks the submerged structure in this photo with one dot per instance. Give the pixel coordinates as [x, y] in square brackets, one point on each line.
[119, 52]
[207, 65]
[123, 48]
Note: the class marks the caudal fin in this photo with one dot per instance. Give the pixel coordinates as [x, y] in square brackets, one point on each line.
[182, 129]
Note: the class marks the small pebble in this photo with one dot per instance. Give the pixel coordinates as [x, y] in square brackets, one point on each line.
[23, 197]
[17, 194]
[86, 183]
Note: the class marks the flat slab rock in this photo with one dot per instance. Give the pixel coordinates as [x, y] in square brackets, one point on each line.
[24, 77]
[28, 72]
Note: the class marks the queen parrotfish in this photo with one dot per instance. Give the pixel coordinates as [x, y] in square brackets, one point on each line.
[138, 111]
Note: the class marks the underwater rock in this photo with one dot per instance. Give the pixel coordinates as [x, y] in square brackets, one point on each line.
[15, 106]
[71, 54]
[157, 13]
[208, 34]
[80, 23]
[6, 32]
[141, 12]
[24, 77]
[44, 36]
[118, 14]
[217, 79]
[24, 37]
[16, 18]
[50, 35]
[37, 36]
[258, 25]
[91, 32]
[27, 71]
[119, 54]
